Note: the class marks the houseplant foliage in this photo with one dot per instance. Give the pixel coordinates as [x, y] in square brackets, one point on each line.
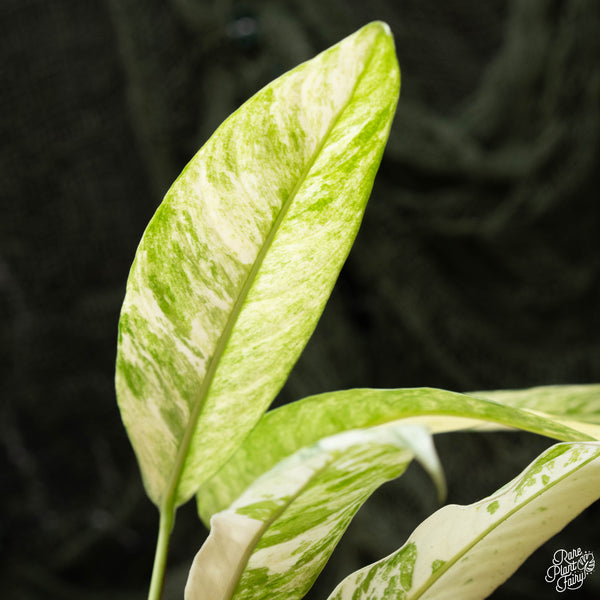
[227, 286]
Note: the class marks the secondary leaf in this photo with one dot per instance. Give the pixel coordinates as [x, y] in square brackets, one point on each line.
[577, 406]
[273, 541]
[468, 551]
[282, 431]
[235, 267]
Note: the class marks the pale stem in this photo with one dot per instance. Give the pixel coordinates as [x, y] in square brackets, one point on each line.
[165, 527]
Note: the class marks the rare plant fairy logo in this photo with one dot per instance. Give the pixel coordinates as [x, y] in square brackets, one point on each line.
[570, 568]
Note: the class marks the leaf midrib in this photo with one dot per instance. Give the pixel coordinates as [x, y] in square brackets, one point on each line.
[274, 517]
[168, 502]
[336, 455]
[428, 584]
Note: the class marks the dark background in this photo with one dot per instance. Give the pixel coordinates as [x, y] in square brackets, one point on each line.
[477, 265]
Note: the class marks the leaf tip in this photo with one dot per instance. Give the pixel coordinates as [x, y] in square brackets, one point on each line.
[383, 27]
[378, 27]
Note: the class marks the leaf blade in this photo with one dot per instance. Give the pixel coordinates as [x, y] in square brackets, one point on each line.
[277, 536]
[285, 429]
[468, 551]
[575, 405]
[259, 226]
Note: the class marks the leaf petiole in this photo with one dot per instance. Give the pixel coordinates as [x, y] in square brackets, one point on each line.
[165, 527]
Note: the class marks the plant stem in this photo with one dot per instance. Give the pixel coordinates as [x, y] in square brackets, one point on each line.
[165, 526]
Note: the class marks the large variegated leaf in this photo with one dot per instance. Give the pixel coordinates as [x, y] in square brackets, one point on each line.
[468, 551]
[273, 541]
[235, 267]
[282, 431]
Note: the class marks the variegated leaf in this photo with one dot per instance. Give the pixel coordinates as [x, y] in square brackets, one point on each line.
[273, 541]
[577, 406]
[237, 264]
[468, 551]
[282, 431]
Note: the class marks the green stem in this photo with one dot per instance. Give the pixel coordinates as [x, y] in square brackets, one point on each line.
[167, 518]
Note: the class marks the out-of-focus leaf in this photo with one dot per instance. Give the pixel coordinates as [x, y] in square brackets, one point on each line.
[237, 264]
[273, 541]
[282, 431]
[466, 552]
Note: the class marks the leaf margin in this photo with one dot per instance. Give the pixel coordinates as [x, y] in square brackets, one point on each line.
[283, 430]
[436, 525]
[171, 478]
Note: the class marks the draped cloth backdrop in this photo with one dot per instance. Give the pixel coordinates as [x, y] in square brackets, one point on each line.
[477, 266]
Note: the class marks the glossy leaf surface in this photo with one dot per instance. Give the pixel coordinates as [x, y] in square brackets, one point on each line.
[282, 431]
[237, 264]
[273, 541]
[468, 551]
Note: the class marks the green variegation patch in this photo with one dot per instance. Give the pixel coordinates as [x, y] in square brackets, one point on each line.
[468, 551]
[236, 265]
[282, 431]
[273, 541]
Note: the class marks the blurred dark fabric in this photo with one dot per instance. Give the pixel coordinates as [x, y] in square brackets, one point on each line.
[477, 265]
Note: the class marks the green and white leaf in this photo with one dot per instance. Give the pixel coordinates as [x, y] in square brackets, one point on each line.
[237, 264]
[577, 406]
[466, 552]
[282, 431]
[273, 541]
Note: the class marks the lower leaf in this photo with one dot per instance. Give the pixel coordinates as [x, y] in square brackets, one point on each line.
[466, 552]
[274, 540]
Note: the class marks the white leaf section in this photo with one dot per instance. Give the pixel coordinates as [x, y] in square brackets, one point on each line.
[218, 565]
[466, 552]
